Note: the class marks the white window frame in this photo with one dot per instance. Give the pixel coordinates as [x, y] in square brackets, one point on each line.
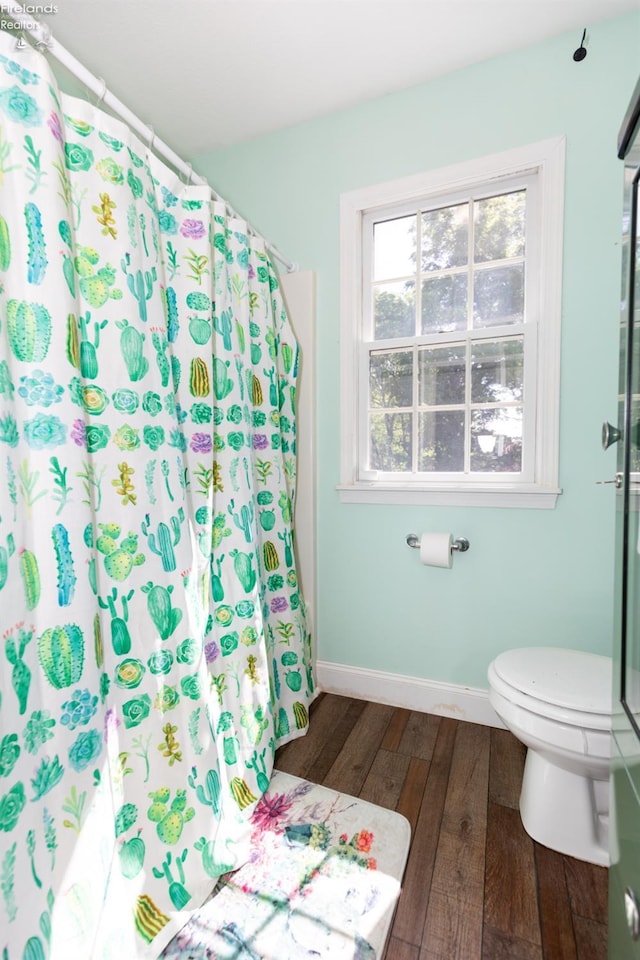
[537, 486]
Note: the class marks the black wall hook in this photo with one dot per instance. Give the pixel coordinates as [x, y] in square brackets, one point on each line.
[581, 52]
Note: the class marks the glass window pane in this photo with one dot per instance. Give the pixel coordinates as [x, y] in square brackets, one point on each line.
[441, 375]
[496, 371]
[496, 440]
[499, 227]
[445, 237]
[444, 304]
[394, 311]
[498, 296]
[391, 379]
[394, 248]
[390, 442]
[442, 441]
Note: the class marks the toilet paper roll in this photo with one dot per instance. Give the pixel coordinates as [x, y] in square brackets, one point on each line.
[435, 549]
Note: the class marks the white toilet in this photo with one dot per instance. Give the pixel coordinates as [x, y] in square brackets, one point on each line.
[558, 703]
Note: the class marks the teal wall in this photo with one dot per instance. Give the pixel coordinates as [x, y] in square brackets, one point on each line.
[531, 576]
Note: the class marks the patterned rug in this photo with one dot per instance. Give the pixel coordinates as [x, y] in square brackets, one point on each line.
[322, 882]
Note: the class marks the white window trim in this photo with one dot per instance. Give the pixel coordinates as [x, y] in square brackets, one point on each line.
[547, 159]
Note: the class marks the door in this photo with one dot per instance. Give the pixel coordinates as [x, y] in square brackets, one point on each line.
[624, 886]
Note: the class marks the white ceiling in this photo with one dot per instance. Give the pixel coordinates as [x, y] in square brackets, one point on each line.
[210, 73]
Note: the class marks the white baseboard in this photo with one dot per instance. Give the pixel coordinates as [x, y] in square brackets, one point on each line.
[428, 696]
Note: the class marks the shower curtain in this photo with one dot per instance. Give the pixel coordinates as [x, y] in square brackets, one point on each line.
[154, 649]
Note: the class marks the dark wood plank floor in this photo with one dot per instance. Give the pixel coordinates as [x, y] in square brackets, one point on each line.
[476, 887]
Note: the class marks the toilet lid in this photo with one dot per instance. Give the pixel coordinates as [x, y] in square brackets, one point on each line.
[567, 678]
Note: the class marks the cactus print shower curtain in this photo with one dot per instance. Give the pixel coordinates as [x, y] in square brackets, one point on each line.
[153, 649]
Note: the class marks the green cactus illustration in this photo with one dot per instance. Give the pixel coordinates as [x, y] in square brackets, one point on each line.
[6, 383]
[149, 470]
[33, 949]
[254, 721]
[5, 554]
[67, 257]
[219, 530]
[286, 352]
[217, 588]
[282, 724]
[212, 866]
[29, 330]
[199, 327]
[209, 792]
[245, 572]
[131, 855]
[96, 286]
[199, 383]
[284, 502]
[244, 519]
[170, 303]
[273, 387]
[285, 536]
[132, 350]
[140, 285]
[222, 382]
[260, 768]
[120, 637]
[5, 245]
[119, 557]
[164, 615]
[81, 350]
[30, 574]
[165, 540]
[61, 654]
[21, 674]
[161, 344]
[66, 573]
[223, 326]
[170, 818]
[178, 893]
[37, 259]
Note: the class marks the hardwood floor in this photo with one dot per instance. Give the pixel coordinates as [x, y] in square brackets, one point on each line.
[476, 887]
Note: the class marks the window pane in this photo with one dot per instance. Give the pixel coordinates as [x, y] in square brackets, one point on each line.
[442, 441]
[394, 310]
[444, 304]
[391, 379]
[441, 373]
[498, 296]
[496, 371]
[445, 237]
[499, 227]
[496, 440]
[394, 248]
[390, 447]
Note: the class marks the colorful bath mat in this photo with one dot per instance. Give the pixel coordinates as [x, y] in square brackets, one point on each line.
[322, 882]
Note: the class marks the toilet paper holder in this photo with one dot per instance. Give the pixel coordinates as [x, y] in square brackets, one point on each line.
[460, 543]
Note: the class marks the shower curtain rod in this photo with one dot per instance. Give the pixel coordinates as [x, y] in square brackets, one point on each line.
[44, 40]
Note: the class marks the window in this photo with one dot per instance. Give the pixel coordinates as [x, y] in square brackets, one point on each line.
[450, 324]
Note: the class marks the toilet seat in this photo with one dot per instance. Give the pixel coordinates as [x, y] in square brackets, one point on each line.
[566, 686]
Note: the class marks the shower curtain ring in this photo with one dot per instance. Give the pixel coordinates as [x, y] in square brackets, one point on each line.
[103, 92]
[188, 174]
[152, 136]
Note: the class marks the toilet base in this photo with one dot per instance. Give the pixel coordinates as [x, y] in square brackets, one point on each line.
[565, 811]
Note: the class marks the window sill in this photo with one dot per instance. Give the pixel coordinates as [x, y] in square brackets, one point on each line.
[521, 497]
